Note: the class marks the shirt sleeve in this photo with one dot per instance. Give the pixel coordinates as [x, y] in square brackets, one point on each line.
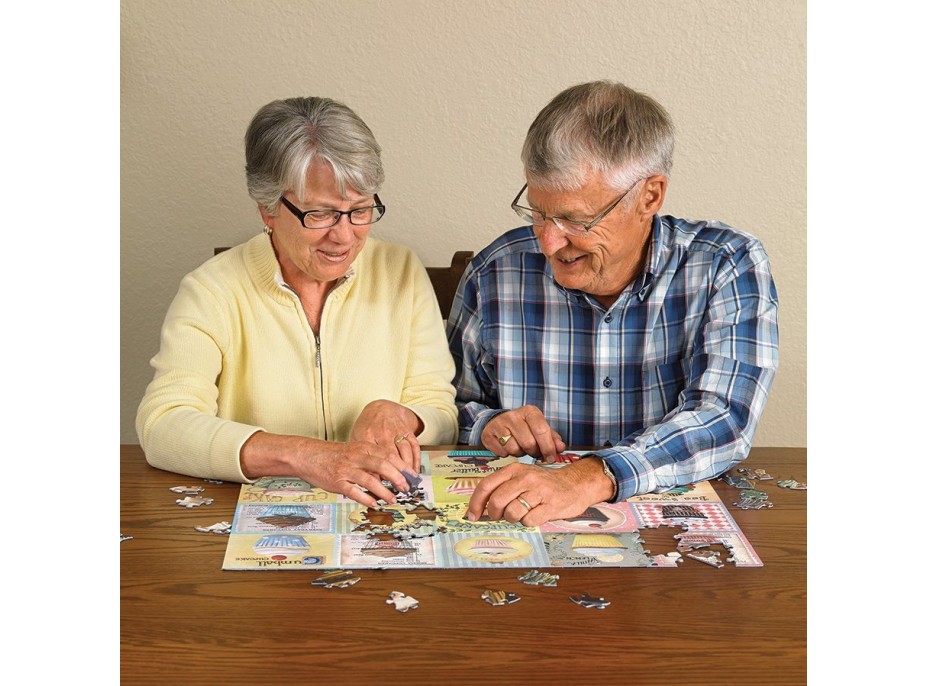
[474, 378]
[177, 421]
[729, 378]
[427, 388]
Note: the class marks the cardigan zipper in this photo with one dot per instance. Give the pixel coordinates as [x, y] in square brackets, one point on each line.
[325, 423]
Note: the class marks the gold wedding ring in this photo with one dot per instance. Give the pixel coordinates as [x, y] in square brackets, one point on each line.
[524, 502]
[503, 440]
[400, 439]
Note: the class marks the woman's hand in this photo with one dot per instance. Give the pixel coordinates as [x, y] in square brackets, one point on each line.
[355, 469]
[392, 426]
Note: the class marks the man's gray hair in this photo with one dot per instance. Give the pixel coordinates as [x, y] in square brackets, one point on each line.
[599, 126]
[285, 137]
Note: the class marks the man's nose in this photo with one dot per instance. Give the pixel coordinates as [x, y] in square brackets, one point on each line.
[550, 237]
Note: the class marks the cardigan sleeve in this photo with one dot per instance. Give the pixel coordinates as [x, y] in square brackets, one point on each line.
[177, 421]
[427, 388]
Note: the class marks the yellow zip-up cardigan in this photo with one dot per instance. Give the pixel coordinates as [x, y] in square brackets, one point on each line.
[238, 356]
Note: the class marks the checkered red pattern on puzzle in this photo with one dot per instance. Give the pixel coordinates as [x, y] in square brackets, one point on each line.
[717, 517]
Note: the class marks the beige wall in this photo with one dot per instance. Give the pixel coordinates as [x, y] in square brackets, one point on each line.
[449, 89]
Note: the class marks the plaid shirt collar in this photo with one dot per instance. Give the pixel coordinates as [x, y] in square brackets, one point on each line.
[657, 258]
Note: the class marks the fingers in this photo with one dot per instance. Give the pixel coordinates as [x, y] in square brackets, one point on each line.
[496, 493]
[371, 495]
[523, 431]
[389, 468]
[409, 452]
[518, 508]
[481, 495]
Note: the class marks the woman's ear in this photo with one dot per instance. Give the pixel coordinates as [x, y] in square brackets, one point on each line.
[267, 218]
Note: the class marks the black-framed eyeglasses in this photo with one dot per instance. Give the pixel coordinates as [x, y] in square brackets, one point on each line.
[569, 226]
[326, 219]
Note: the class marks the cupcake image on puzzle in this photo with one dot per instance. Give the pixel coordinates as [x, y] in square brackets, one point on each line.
[281, 546]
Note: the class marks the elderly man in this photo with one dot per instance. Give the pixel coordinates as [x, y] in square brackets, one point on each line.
[604, 323]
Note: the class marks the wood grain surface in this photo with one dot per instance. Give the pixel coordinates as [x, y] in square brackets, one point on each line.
[184, 619]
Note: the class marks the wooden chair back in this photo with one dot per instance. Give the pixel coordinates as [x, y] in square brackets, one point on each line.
[445, 279]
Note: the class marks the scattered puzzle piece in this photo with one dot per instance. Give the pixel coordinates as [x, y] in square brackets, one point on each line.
[589, 601]
[213, 481]
[124, 537]
[193, 501]
[538, 578]
[671, 558]
[187, 490]
[217, 528]
[792, 484]
[736, 481]
[752, 499]
[758, 474]
[337, 578]
[402, 602]
[499, 597]
[709, 557]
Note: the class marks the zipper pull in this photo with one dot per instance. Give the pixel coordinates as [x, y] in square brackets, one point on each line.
[318, 352]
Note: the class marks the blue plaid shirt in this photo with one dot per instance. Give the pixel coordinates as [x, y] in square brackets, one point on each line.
[671, 379]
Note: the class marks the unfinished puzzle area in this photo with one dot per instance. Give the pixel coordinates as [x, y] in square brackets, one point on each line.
[285, 523]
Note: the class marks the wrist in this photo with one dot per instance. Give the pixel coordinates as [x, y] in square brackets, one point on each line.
[609, 484]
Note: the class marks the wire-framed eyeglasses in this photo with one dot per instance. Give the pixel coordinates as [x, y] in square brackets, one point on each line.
[569, 226]
[326, 219]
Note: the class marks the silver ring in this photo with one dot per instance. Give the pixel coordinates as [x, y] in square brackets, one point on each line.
[400, 439]
[524, 502]
[503, 440]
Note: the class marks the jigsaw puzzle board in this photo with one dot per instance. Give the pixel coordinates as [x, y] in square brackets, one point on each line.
[285, 523]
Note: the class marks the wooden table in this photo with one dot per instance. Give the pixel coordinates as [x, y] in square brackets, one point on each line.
[185, 620]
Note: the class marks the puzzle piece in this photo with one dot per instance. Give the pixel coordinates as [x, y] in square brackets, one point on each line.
[792, 484]
[499, 597]
[414, 480]
[187, 490]
[752, 503]
[709, 557]
[337, 578]
[736, 481]
[589, 601]
[758, 474]
[686, 546]
[124, 537]
[217, 528]
[402, 602]
[538, 578]
[193, 501]
[213, 481]
[671, 558]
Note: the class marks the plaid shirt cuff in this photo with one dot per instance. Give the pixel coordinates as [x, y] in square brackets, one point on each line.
[633, 476]
[480, 421]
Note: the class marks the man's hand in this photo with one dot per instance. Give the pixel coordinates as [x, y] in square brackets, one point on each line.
[392, 426]
[535, 495]
[523, 431]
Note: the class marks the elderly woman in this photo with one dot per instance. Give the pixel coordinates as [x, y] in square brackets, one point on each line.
[310, 350]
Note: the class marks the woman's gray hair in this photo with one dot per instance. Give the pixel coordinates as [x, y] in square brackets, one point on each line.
[599, 126]
[286, 136]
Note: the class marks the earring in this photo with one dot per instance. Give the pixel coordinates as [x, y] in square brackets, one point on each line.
[268, 230]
